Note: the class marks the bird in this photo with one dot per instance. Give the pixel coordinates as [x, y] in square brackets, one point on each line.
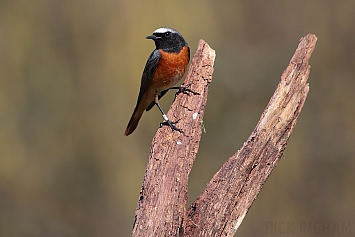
[164, 68]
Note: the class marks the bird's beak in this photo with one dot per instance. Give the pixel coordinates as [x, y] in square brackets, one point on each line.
[152, 37]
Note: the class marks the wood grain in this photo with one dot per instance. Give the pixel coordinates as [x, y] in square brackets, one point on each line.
[221, 207]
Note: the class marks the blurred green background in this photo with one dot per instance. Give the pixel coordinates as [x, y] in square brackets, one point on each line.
[69, 79]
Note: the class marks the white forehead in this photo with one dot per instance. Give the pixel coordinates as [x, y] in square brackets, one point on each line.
[164, 29]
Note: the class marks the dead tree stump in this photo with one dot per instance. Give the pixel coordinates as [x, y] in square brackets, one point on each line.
[221, 207]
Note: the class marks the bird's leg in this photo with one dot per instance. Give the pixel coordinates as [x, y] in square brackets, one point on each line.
[166, 122]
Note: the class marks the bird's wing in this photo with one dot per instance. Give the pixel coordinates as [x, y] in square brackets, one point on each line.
[148, 72]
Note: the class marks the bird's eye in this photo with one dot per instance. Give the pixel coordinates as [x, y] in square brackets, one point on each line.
[167, 34]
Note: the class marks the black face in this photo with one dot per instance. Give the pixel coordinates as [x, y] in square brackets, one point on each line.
[170, 41]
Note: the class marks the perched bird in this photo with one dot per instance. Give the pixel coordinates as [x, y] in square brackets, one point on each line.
[166, 65]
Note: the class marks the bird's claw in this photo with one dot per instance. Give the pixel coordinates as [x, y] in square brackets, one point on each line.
[171, 125]
[186, 90]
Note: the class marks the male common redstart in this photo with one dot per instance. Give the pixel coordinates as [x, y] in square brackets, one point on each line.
[166, 65]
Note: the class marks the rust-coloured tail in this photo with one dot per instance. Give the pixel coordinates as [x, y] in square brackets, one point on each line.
[133, 122]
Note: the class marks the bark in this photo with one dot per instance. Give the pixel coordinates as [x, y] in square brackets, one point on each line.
[221, 207]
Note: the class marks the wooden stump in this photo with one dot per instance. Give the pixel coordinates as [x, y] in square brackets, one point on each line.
[221, 207]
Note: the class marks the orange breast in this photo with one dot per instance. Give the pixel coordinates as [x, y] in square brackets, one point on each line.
[170, 70]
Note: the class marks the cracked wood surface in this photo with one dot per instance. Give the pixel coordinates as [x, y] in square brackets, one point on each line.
[221, 207]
